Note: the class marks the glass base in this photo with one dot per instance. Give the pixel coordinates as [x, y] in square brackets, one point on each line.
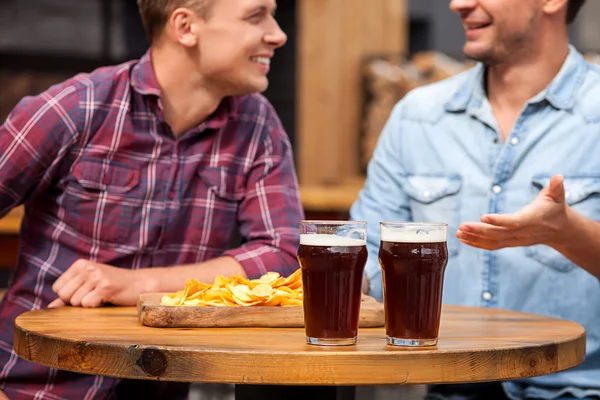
[410, 342]
[331, 341]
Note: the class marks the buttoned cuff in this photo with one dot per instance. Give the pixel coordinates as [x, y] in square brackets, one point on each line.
[259, 260]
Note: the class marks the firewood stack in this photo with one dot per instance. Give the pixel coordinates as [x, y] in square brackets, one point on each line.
[388, 79]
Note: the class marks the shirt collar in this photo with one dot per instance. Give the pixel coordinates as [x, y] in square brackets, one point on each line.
[143, 80]
[471, 93]
[226, 111]
[560, 93]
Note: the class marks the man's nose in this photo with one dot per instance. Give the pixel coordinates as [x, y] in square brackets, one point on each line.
[277, 37]
[459, 6]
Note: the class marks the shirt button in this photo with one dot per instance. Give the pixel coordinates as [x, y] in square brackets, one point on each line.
[427, 194]
[514, 141]
[497, 189]
[487, 296]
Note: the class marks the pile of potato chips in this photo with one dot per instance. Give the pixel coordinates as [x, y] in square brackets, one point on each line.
[271, 289]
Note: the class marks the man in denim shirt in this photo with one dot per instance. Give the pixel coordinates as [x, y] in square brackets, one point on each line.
[514, 144]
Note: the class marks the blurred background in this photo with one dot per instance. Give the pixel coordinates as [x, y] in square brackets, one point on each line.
[346, 63]
[334, 83]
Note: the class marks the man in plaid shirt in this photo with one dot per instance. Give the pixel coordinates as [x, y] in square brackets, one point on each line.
[135, 177]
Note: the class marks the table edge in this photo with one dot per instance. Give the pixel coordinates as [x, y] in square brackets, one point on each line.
[145, 357]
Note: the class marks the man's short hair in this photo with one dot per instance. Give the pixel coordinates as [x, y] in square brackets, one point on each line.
[573, 7]
[155, 13]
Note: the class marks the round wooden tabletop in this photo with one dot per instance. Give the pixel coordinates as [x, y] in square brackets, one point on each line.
[475, 345]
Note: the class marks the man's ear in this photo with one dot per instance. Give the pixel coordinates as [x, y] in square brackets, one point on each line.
[552, 7]
[182, 27]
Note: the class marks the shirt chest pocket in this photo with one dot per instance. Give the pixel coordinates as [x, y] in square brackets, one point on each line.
[435, 198]
[582, 193]
[215, 213]
[225, 184]
[102, 200]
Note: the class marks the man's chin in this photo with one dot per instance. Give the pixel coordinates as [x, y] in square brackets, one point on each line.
[253, 87]
[261, 85]
[477, 54]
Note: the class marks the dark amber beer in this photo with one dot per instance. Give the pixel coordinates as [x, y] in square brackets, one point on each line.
[332, 270]
[413, 260]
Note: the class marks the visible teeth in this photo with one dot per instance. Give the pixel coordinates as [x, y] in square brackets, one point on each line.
[262, 60]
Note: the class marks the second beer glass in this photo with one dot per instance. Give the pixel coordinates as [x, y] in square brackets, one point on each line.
[332, 256]
[413, 259]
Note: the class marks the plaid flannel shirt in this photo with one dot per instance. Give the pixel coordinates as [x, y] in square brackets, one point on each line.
[103, 178]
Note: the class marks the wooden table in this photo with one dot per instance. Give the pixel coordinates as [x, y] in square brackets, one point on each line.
[475, 345]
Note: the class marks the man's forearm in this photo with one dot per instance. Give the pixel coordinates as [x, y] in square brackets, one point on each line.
[579, 241]
[172, 279]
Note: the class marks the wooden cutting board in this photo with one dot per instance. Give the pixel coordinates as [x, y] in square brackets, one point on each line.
[151, 313]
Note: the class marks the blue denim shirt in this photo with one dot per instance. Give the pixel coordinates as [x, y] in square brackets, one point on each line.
[440, 158]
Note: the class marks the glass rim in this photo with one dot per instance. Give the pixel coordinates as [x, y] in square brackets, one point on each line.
[428, 224]
[331, 222]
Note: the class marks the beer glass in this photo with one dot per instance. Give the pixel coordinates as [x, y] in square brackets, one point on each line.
[332, 256]
[413, 258]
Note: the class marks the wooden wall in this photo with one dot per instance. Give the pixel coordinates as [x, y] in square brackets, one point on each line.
[334, 36]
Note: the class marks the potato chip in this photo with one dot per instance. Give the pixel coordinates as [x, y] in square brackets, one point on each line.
[271, 289]
[262, 290]
[276, 299]
[291, 302]
[293, 281]
[167, 300]
[285, 289]
[220, 281]
[192, 302]
[242, 292]
[197, 295]
[269, 278]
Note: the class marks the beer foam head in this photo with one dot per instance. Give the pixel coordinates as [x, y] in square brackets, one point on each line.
[414, 235]
[330, 240]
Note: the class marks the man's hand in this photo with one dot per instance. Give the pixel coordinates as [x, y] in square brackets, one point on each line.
[3, 396]
[540, 222]
[89, 284]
